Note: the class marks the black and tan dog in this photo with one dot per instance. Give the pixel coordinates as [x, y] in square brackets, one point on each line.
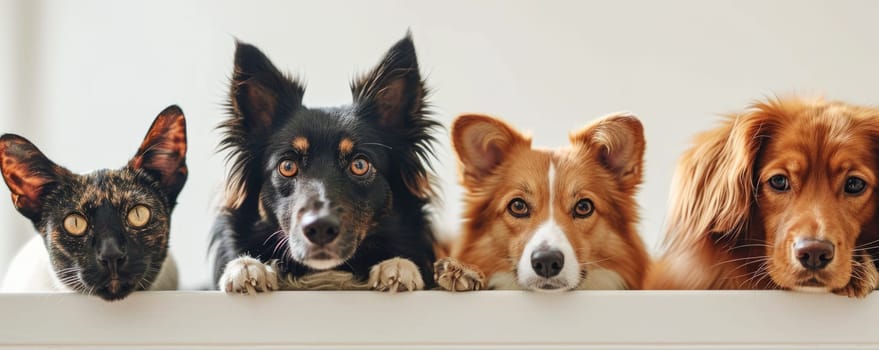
[337, 191]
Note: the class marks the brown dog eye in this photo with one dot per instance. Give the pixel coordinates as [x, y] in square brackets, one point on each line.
[855, 185]
[288, 168]
[583, 209]
[359, 166]
[779, 183]
[139, 216]
[518, 208]
[75, 224]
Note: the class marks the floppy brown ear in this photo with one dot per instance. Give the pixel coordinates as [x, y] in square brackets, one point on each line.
[713, 188]
[481, 143]
[28, 174]
[163, 152]
[619, 139]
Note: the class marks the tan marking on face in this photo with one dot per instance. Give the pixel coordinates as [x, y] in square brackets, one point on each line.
[300, 144]
[346, 147]
[493, 240]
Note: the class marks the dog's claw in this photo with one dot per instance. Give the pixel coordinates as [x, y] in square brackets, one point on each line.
[246, 275]
[395, 275]
[453, 275]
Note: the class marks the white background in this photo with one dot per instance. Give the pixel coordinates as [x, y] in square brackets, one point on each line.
[84, 79]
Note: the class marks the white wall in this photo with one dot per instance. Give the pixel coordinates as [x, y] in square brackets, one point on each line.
[101, 70]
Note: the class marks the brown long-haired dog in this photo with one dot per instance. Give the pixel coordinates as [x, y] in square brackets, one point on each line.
[781, 196]
[548, 220]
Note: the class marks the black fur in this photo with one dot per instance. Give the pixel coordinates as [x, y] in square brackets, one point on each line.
[111, 257]
[382, 213]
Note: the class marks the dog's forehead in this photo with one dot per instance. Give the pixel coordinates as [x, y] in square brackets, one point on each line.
[821, 139]
[309, 128]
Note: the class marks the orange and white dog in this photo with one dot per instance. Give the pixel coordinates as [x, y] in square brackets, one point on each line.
[782, 196]
[547, 220]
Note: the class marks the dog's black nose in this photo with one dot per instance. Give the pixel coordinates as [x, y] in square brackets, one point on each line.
[322, 230]
[813, 254]
[547, 262]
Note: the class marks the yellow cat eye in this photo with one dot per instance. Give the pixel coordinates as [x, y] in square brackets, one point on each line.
[75, 224]
[139, 216]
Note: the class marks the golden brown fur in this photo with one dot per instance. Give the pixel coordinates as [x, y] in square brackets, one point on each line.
[603, 163]
[729, 229]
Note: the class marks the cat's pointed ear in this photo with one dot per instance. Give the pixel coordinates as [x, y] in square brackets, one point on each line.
[259, 92]
[163, 152]
[619, 139]
[392, 94]
[28, 173]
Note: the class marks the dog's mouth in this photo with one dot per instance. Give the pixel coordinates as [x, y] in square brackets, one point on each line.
[811, 285]
[812, 282]
[548, 285]
[809, 281]
[323, 259]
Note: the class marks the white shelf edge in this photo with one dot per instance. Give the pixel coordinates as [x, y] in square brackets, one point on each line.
[440, 320]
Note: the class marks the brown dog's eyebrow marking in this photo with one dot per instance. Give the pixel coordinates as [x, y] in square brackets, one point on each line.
[346, 146]
[300, 143]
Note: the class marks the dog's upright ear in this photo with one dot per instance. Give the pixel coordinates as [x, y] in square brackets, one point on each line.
[259, 97]
[28, 174]
[163, 152]
[393, 97]
[713, 189]
[619, 141]
[260, 93]
[482, 143]
[392, 94]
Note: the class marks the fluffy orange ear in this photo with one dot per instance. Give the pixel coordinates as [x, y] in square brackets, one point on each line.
[620, 141]
[713, 188]
[481, 143]
[28, 174]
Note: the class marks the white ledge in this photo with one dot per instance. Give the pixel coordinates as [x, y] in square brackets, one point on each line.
[440, 320]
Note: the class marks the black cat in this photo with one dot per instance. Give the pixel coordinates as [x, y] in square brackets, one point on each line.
[103, 233]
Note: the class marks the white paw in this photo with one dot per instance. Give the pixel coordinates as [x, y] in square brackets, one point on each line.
[395, 275]
[247, 275]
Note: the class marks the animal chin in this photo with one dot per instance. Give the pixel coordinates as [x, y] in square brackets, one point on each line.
[550, 285]
[809, 282]
[323, 260]
[322, 257]
[114, 289]
[812, 285]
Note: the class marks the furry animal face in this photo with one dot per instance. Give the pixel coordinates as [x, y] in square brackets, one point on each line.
[107, 231]
[815, 180]
[782, 196]
[556, 219]
[324, 179]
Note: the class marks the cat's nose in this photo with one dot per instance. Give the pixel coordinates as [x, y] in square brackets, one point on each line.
[111, 257]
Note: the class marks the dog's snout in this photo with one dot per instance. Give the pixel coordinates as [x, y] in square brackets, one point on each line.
[813, 254]
[547, 262]
[321, 230]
